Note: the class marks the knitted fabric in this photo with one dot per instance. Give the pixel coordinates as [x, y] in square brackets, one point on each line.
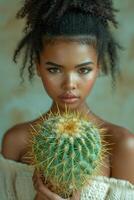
[16, 184]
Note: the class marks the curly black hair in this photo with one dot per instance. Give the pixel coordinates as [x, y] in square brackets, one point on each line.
[42, 17]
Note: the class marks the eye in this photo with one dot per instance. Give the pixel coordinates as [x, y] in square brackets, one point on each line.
[85, 70]
[54, 70]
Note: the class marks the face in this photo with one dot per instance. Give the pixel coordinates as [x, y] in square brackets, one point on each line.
[68, 71]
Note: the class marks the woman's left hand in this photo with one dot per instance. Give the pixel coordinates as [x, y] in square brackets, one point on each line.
[43, 193]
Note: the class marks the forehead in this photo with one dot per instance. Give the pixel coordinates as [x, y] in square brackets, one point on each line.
[68, 50]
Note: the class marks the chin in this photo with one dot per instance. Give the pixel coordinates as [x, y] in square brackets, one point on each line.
[70, 106]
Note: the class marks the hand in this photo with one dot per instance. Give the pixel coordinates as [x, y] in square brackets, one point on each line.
[43, 193]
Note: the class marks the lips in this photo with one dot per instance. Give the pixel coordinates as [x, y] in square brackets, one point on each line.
[69, 98]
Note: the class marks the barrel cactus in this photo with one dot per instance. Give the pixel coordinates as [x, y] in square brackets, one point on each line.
[68, 149]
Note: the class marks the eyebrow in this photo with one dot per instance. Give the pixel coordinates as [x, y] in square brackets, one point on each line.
[79, 65]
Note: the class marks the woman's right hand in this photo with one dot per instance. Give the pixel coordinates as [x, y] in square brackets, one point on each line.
[43, 193]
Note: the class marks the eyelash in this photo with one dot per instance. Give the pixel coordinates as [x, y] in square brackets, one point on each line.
[54, 70]
[87, 69]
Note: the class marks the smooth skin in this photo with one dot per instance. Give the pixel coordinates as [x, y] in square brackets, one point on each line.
[63, 70]
[72, 68]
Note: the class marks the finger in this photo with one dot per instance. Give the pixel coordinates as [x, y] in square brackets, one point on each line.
[39, 196]
[35, 174]
[35, 179]
[44, 190]
[76, 195]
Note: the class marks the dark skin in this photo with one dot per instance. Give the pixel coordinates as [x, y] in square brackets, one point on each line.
[69, 67]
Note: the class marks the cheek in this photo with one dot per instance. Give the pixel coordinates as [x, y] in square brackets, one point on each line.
[90, 82]
[47, 82]
[89, 85]
[50, 85]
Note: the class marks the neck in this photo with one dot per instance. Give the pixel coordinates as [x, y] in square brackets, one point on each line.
[83, 108]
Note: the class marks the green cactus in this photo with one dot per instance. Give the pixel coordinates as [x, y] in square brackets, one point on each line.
[68, 150]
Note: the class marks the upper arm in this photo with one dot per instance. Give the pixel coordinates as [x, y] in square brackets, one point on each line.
[13, 143]
[123, 158]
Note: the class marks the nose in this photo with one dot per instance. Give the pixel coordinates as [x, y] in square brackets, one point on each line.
[69, 82]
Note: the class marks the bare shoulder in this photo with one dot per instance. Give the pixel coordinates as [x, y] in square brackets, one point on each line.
[118, 133]
[115, 134]
[121, 142]
[14, 141]
[122, 162]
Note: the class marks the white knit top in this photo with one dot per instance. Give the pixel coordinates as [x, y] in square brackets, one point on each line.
[16, 184]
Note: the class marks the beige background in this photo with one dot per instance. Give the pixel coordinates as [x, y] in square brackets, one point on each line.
[19, 104]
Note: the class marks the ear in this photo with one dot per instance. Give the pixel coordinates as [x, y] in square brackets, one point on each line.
[37, 68]
[99, 69]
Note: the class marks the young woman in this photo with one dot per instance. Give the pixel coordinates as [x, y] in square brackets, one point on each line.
[69, 43]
